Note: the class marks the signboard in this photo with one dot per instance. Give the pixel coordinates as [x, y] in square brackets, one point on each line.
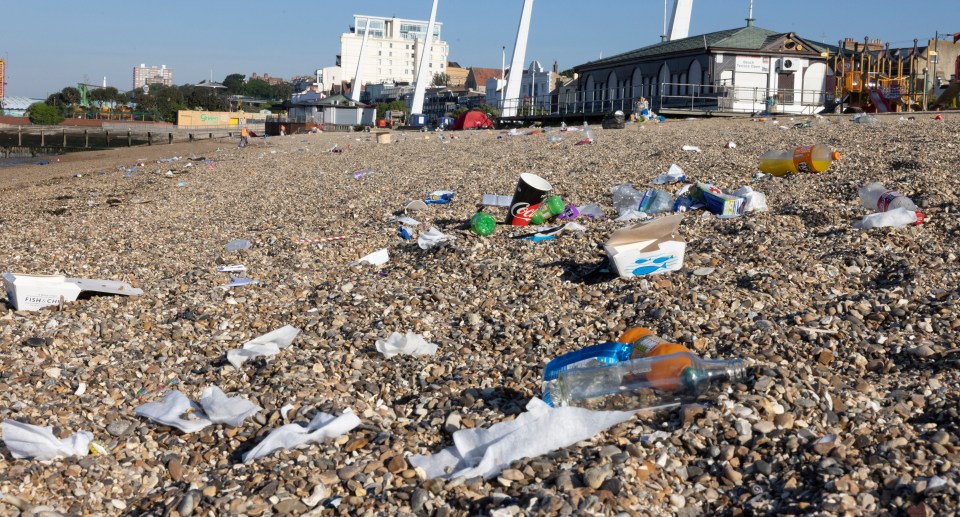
[754, 64]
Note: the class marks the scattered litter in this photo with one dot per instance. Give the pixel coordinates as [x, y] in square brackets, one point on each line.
[237, 245]
[266, 345]
[439, 197]
[405, 344]
[692, 148]
[182, 184]
[232, 268]
[377, 258]
[221, 409]
[591, 211]
[495, 200]
[538, 431]
[409, 221]
[38, 442]
[321, 239]
[415, 206]
[175, 410]
[673, 175]
[896, 218]
[33, 292]
[720, 204]
[405, 233]
[753, 201]
[731, 145]
[631, 214]
[433, 238]
[323, 427]
[238, 281]
[651, 247]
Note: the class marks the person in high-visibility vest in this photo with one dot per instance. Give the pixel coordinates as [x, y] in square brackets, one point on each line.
[244, 133]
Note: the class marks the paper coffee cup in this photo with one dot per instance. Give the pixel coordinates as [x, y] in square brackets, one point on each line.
[531, 191]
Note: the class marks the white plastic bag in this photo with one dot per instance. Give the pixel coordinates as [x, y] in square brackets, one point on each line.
[753, 201]
[37, 442]
[405, 344]
[268, 344]
[221, 409]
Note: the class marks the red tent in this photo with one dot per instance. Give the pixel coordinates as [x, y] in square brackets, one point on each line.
[472, 120]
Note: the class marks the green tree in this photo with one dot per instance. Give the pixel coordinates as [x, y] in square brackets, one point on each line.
[70, 95]
[103, 95]
[440, 79]
[382, 109]
[234, 83]
[162, 102]
[257, 88]
[44, 114]
[281, 91]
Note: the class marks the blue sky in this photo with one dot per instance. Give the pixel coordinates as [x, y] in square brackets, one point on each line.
[90, 40]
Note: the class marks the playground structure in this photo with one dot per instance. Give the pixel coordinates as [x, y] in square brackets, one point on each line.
[878, 80]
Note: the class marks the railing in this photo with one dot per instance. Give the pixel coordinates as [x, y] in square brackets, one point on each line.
[666, 96]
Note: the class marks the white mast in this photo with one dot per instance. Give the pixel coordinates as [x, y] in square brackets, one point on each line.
[355, 89]
[680, 19]
[512, 95]
[420, 89]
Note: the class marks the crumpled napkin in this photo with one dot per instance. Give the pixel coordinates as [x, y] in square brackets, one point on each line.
[268, 344]
[38, 442]
[376, 258]
[540, 430]
[433, 238]
[409, 344]
[632, 213]
[323, 426]
[673, 175]
[221, 409]
[170, 410]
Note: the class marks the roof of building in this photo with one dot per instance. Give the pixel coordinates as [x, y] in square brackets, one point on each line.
[742, 38]
[481, 75]
[18, 103]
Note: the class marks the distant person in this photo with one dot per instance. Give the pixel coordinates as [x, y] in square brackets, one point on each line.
[283, 130]
[244, 135]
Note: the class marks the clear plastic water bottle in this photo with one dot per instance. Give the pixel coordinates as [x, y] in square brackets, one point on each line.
[625, 197]
[656, 201]
[874, 196]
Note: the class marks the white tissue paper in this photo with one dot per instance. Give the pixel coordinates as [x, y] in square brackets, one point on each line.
[221, 409]
[433, 238]
[322, 427]
[673, 175]
[897, 218]
[238, 281]
[540, 430]
[171, 410]
[268, 344]
[376, 258]
[37, 442]
[691, 148]
[409, 344]
[753, 201]
[409, 221]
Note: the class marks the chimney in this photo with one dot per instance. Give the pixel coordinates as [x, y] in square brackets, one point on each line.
[555, 67]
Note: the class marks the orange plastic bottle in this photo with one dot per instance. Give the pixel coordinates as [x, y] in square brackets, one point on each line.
[666, 374]
[806, 158]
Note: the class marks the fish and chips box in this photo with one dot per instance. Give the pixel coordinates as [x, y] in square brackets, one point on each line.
[34, 292]
[649, 248]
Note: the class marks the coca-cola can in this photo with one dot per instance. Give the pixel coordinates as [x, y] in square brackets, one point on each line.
[531, 191]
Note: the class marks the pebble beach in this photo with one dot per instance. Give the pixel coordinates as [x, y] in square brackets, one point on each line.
[850, 405]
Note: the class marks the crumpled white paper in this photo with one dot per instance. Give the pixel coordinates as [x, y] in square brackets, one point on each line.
[221, 409]
[673, 175]
[38, 442]
[433, 238]
[238, 281]
[322, 427]
[376, 258]
[406, 220]
[408, 344]
[691, 148]
[268, 344]
[171, 409]
[896, 218]
[215, 408]
[540, 430]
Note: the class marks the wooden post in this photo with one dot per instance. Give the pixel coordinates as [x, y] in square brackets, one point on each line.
[64, 137]
[129, 141]
[86, 138]
[107, 133]
[149, 138]
[170, 138]
[20, 136]
[41, 137]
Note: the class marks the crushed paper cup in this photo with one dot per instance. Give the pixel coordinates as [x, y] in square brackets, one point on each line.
[405, 344]
[432, 238]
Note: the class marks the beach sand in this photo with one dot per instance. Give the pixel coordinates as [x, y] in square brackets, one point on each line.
[850, 405]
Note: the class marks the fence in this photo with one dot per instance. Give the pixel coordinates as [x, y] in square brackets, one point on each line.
[668, 97]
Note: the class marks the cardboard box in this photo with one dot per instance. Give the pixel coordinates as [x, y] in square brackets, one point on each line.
[34, 292]
[648, 248]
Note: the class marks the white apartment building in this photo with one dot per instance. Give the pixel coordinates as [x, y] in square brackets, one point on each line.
[393, 49]
[144, 74]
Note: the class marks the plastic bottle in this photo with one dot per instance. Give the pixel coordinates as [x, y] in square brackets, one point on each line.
[897, 218]
[874, 196]
[625, 197]
[648, 372]
[482, 224]
[551, 208]
[656, 201]
[364, 173]
[806, 158]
